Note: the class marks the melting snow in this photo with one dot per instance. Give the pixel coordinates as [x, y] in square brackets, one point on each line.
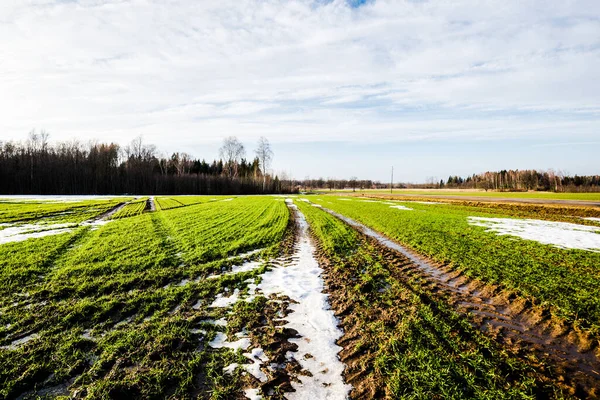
[230, 368]
[245, 267]
[312, 318]
[19, 233]
[399, 207]
[592, 219]
[17, 343]
[222, 301]
[220, 341]
[560, 234]
[219, 322]
[253, 394]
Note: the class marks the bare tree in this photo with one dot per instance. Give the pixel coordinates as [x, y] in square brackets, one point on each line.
[353, 183]
[265, 155]
[232, 151]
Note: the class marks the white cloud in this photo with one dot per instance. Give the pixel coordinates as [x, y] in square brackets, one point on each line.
[300, 70]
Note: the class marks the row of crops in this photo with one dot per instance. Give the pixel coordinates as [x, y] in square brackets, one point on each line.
[413, 344]
[566, 279]
[118, 310]
[48, 211]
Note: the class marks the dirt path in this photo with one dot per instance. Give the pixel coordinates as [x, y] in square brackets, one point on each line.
[486, 199]
[292, 350]
[512, 321]
[105, 216]
[151, 204]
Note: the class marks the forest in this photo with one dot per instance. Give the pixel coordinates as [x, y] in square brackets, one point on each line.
[37, 166]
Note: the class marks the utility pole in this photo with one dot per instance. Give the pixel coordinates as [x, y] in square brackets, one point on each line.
[392, 180]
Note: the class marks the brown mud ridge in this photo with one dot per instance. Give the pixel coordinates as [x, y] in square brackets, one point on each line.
[485, 199]
[512, 321]
[541, 209]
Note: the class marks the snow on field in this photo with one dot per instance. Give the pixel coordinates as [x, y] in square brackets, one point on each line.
[400, 207]
[245, 267]
[592, 219]
[222, 301]
[19, 342]
[312, 318]
[221, 341]
[18, 233]
[560, 234]
[57, 199]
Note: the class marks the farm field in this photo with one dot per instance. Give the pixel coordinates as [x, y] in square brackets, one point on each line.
[223, 297]
[593, 197]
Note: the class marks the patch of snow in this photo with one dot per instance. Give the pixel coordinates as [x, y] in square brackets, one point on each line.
[252, 394]
[19, 233]
[227, 199]
[399, 207]
[222, 301]
[198, 305]
[56, 198]
[592, 219]
[219, 322]
[19, 342]
[257, 356]
[245, 267]
[230, 368]
[563, 235]
[305, 200]
[312, 318]
[220, 341]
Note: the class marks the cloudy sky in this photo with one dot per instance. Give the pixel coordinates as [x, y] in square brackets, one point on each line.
[339, 87]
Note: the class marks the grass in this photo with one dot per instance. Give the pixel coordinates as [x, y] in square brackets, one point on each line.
[113, 311]
[16, 211]
[135, 207]
[565, 280]
[414, 345]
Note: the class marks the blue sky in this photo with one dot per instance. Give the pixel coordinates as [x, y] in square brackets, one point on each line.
[340, 88]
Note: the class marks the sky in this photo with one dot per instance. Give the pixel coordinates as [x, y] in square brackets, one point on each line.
[340, 88]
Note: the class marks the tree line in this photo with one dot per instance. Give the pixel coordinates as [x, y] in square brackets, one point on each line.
[37, 166]
[523, 180]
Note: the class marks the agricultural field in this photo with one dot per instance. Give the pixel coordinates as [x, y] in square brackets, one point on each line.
[458, 193]
[295, 297]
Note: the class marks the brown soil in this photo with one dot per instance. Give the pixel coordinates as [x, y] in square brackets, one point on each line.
[483, 199]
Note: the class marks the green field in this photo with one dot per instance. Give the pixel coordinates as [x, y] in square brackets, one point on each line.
[212, 297]
[475, 193]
